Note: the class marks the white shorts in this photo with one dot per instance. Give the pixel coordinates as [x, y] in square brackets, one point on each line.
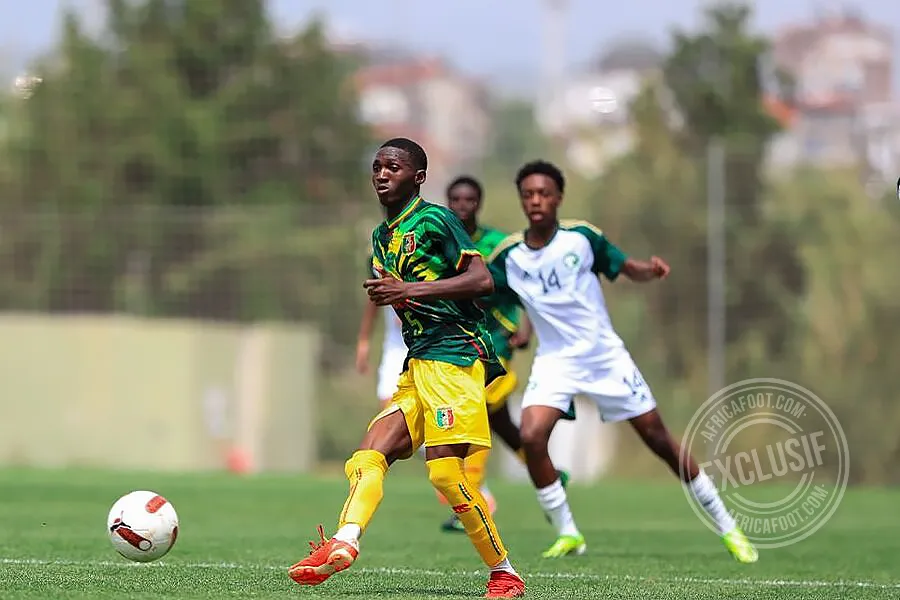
[389, 373]
[618, 388]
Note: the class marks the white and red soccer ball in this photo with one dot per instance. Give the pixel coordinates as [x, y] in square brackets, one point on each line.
[142, 526]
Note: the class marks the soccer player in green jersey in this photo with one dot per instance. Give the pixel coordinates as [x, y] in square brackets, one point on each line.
[465, 195]
[431, 274]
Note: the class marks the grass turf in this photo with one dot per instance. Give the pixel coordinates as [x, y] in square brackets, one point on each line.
[239, 535]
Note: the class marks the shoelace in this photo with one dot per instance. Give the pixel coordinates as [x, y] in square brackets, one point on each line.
[322, 540]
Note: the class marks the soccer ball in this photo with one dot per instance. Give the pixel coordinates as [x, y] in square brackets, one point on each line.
[142, 526]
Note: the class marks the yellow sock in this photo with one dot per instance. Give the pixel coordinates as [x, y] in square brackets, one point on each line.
[365, 470]
[475, 466]
[521, 454]
[448, 477]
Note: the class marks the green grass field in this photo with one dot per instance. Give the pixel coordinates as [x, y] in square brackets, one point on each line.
[239, 535]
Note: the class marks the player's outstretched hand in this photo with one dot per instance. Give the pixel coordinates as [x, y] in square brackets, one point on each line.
[660, 267]
[646, 270]
[386, 291]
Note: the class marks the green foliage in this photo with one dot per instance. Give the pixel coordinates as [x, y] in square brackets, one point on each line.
[810, 294]
[517, 138]
[715, 77]
[842, 340]
[141, 145]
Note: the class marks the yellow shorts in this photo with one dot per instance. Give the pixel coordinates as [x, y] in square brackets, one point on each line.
[499, 390]
[442, 403]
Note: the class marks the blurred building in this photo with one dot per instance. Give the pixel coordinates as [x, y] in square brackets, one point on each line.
[842, 110]
[427, 100]
[589, 113]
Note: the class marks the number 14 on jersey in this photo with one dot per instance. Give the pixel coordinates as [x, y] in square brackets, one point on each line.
[548, 282]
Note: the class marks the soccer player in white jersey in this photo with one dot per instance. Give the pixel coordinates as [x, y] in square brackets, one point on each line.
[553, 268]
[393, 350]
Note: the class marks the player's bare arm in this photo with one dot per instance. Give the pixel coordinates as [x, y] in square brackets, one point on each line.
[520, 338]
[364, 336]
[474, 281]
[645, 270]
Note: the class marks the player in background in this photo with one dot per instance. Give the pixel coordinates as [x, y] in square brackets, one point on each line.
[553, 269]
[393, 349]
[431, 274]
[465, 196]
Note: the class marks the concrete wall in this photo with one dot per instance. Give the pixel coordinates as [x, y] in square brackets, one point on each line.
[156, 394]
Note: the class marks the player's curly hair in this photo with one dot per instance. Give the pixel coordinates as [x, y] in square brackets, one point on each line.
[542, 167]
[466, 180]
[415, 151]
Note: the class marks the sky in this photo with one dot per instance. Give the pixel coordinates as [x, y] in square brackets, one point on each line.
[498, 40]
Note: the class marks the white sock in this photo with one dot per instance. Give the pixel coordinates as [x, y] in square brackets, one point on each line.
[555, 503]
[704, 491]
[349, 533]
[505, 565]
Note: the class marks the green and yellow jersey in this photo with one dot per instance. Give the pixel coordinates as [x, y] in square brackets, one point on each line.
[503, 314]
[427, 242]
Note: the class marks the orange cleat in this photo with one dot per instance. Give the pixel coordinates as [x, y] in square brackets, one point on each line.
[326, 558]
[504, 584]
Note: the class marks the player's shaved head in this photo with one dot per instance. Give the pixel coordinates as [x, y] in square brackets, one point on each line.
[415, 151]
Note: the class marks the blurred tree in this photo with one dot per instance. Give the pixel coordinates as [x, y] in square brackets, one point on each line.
[181, 106]
[517, 137]
[843, 332]
[810, 298]
[715, 79]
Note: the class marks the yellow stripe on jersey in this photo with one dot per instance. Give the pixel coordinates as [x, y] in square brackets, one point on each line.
[463, 254]
[471, 334]
[508, 241]
[466, 331]
[423, 272]
[413, 205]
[569, 223]
[504, 322]
[378, 266]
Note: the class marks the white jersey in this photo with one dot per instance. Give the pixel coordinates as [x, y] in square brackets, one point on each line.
[393, 333]
[559, 288]
[393, 355]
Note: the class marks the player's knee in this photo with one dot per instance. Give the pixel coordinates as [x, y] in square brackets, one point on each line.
[364, 461]
[534, 438]
[444, 473]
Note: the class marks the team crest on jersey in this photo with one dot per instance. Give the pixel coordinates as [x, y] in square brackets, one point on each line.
[409, 243]
[571, 260]
[443, 418]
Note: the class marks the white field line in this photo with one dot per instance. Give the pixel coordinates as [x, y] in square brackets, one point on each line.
[758, 583]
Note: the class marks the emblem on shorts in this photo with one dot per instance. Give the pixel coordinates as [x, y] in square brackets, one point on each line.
[443, 418]
[409, 243]
[571, 260]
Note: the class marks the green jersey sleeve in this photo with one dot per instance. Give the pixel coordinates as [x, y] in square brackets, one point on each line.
[503, 295]
[376, 259]
[608, 259]
[455, 243]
